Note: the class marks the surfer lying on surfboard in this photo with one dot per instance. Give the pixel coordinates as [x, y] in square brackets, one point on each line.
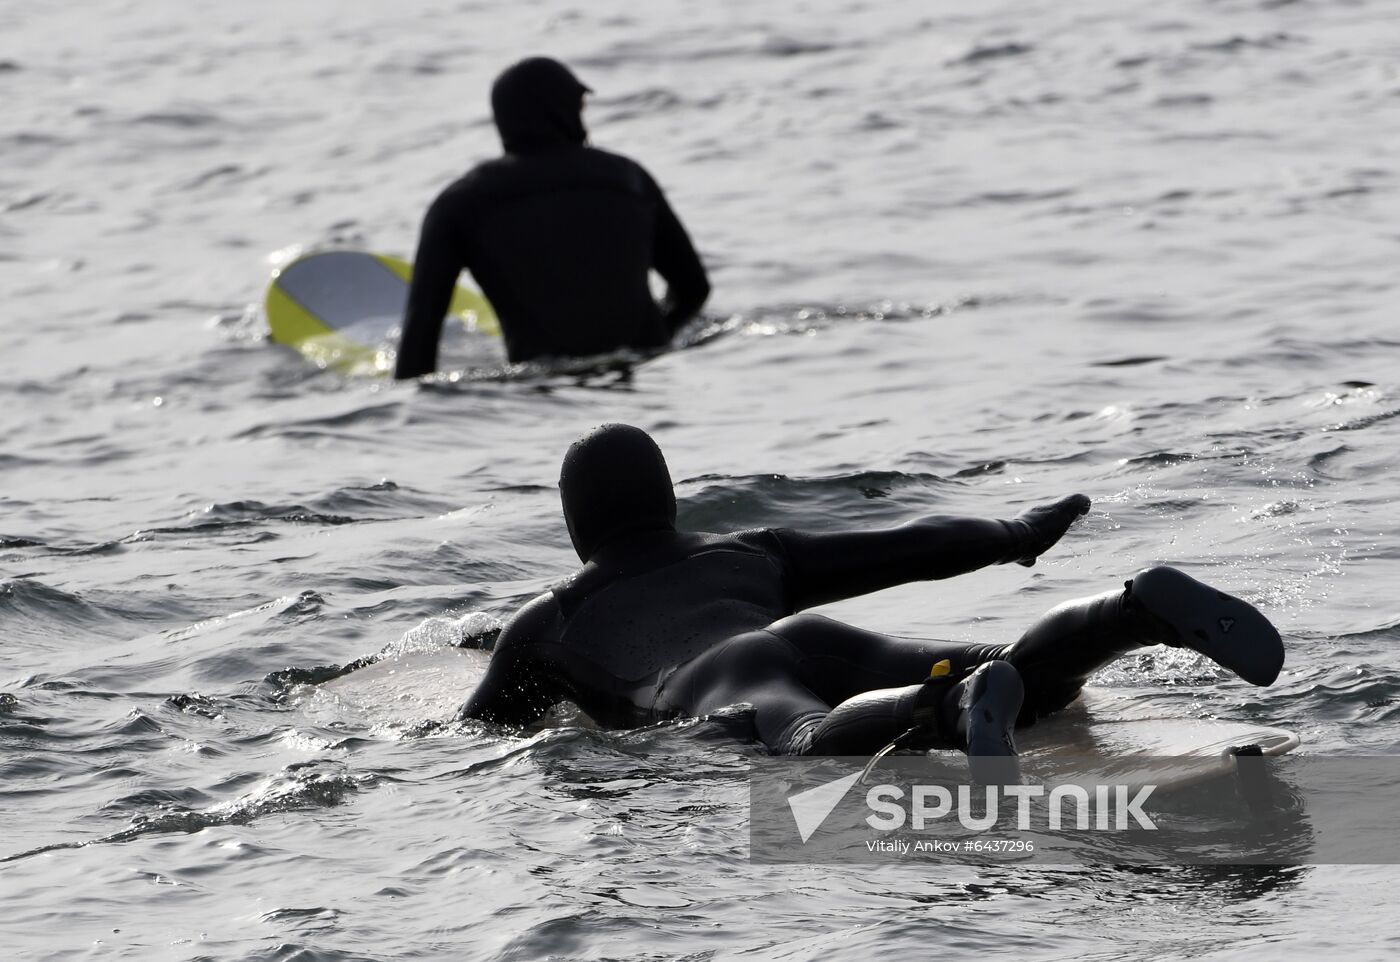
[559, 236]
[660, 623]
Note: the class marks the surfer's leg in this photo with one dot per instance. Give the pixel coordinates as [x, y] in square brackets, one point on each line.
[925, 693]
[976, 715]
[757, 668]
[800, 706]
[1068, 644]
[1158, 606]
[839, 661]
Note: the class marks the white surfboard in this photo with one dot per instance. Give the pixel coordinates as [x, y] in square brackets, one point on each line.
[342, 308]
[1105, 735]
[400, 689]
[1111, 735]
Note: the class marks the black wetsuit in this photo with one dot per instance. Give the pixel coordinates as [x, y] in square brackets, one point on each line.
[559, 236]
[667, 624]
[661, 623]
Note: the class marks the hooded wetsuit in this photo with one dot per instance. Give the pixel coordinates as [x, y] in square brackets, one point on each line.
[559, 236]
[662, 623]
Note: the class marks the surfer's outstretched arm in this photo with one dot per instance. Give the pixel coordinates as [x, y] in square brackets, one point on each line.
[435, 269]
[518, 688]
[835, 565]
[673, 256]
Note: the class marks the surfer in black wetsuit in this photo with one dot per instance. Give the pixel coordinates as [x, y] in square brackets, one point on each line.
[560, 237]
[661, 623]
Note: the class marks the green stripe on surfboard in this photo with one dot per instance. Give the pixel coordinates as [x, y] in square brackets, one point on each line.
[338, 308]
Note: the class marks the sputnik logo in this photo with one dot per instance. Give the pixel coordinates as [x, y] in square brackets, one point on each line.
[810, 808]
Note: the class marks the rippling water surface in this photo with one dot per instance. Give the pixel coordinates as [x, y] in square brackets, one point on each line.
[966, 258]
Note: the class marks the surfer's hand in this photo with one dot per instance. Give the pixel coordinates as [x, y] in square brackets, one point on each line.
[1035, 530]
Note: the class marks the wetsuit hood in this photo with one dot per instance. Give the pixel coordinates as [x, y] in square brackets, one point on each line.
[538, 105]
[614, 481]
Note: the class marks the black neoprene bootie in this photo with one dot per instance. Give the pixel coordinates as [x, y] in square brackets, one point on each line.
[987, 703]
[1184, 613]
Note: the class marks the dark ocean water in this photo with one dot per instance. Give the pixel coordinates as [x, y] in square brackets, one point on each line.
[965, 260]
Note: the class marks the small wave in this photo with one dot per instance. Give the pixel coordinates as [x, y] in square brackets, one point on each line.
[242, 514]
[1183, 100]
[1003, 197]
[1352, 693]
[996, 51]
[569, 738]
[1360, 424]
[316, 916]
[804, 319]
[30, 606]
[1390, 631]
[269, 610]
[476, 630]
[147, 799]
[298, 787]
[194, 704]
[33, 138]
[981, 470]
[1175, 667]
[27, 201]
[68, 551]
[241, 327]
[784, 46]
[353, 504]
[615, 371]
[1134, 361]
[1237, 43]
[1162, 459]
[180, 119]
[286, 680]
[1176, 508]
[1133, 61]
[1320, 463]
[734, 503]
[222, 176]
[383, 499]
[771, 45]
[369, 415]
[639, 103]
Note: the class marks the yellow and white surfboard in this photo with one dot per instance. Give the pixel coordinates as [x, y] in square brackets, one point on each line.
[342, 308]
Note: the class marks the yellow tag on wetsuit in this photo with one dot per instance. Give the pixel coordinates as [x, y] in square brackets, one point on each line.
[941, 668]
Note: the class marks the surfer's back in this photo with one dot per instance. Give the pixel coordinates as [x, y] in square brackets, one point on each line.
[609, 635]
[561, 242]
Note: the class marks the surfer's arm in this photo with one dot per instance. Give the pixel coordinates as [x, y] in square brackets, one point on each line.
[673, 256]
[517, 689]
[436, 267]
[830, 566]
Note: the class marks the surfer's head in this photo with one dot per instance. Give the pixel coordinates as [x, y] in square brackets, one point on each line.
[614, 481]
[538, 104]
